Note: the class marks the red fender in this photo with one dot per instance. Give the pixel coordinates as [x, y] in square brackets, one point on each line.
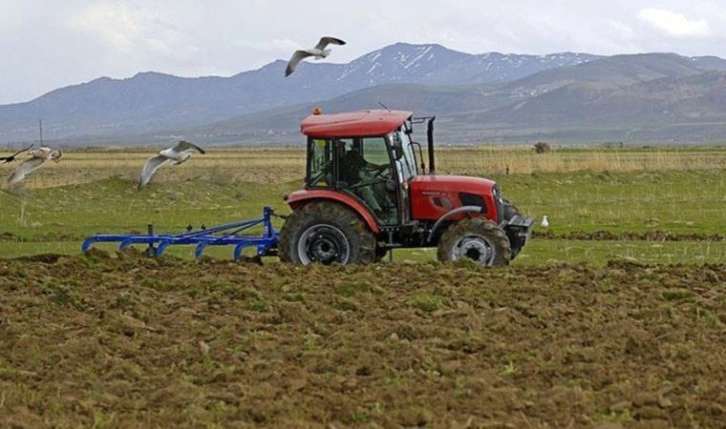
[298, 198]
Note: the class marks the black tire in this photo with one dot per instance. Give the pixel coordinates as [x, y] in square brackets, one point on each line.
[478, 239]
[326, 232]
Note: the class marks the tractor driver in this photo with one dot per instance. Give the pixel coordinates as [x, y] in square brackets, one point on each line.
[357, 170]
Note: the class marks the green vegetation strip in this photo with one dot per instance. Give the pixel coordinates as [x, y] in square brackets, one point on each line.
[549, 235]
[628, 236]
[537, 252]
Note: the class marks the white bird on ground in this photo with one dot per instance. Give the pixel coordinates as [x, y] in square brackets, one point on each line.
[545, 223]
[318, 52]
[179, 154]
[37, 158]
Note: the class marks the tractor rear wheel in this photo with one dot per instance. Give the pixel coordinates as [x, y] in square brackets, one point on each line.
[326, 232]
[479, 240]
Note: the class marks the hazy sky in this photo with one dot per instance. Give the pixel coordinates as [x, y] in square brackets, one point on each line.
[47, 44]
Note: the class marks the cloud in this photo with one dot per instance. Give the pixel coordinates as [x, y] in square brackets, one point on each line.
[47, 44]
[674, 23]
[112, 23]
[621, 29]
[127, 28]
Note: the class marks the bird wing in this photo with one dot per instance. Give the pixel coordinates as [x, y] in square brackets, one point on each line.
[21, 151]
[296, 58]
[327, 40]
[152, 164]
[7, 159]
[25, 168]
[185, 145]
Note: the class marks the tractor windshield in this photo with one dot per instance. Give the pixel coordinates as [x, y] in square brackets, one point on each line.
[406, 165]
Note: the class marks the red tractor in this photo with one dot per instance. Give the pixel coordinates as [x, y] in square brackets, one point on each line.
[367, 192]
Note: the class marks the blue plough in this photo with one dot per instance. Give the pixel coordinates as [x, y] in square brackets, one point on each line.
[222, 235]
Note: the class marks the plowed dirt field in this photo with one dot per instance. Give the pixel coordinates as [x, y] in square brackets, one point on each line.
[135, 342]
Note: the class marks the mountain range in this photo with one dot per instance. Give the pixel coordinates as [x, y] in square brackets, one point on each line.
[491, 97]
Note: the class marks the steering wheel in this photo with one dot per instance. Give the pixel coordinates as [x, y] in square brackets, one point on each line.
[377, 169]
[375, 180]
[378, 176]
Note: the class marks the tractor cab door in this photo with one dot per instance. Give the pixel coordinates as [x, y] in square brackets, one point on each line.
[404, 160]
[364, 170]
[361, 167]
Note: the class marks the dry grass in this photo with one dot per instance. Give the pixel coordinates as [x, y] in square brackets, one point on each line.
[228, 166]
[523, 160]
[220, 166]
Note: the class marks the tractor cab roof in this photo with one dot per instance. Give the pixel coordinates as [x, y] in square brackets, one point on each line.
[364, 123]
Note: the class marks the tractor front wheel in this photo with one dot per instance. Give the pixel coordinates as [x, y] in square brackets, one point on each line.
[325, 232]
[479, 240]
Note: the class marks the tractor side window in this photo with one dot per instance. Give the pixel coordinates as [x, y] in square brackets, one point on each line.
[320, 167]
[348, 163]
[359, 158]
[375, 151]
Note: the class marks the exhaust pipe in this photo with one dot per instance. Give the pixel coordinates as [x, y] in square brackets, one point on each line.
[430, 138]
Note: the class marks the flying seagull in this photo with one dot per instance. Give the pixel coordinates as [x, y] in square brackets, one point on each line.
[179, 154]
[318, 52]
[37, 158]
[11, 158]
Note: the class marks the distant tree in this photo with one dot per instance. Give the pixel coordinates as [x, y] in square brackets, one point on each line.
[541, 147]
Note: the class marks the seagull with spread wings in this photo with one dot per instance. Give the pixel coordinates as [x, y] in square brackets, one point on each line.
[11, 158]
[37, 158]
[178, 154]
[318, 52]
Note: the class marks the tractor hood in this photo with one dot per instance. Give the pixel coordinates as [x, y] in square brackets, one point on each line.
[446, 184]
[434, 196]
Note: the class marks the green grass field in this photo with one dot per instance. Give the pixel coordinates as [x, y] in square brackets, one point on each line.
[677, 190]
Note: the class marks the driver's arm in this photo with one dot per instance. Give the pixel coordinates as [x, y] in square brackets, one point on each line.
[372, 166]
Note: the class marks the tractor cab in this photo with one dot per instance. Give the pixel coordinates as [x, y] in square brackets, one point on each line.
[372, 169]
